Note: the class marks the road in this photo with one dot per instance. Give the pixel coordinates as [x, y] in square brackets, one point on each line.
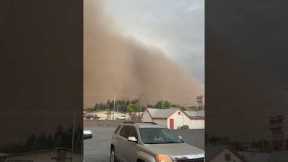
[97, 148]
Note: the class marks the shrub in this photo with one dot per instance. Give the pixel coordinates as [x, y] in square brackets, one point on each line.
[184, 127]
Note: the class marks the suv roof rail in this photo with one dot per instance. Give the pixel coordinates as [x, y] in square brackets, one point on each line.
[133, 122]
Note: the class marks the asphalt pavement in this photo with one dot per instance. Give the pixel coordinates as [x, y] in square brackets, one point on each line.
[97, 148]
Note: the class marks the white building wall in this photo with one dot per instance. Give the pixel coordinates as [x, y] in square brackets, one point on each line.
[182, 119]
[221, 157]
[196, 123]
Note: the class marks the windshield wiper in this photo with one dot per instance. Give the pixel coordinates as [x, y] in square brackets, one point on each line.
[173, 142]
[153, 143]
[164, 142]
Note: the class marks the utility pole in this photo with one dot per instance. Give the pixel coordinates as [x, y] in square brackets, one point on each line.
[116, 108]
[113, 107]
[199, 100]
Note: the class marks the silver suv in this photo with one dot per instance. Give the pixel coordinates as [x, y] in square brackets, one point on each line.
[148, 142]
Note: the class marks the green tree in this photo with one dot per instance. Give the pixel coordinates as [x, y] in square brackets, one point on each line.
[132, 108]
[163, 105]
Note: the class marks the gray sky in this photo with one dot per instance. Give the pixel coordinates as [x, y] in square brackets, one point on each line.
[176, 26]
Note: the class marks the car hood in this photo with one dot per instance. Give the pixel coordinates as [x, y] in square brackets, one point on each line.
[176, 150]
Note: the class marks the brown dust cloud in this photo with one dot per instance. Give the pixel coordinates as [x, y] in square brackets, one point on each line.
[124, 68]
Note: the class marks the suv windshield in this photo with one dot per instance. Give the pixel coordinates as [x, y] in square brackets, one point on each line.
[158, 136]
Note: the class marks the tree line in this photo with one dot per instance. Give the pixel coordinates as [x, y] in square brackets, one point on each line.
[129, 106]
[136, 106]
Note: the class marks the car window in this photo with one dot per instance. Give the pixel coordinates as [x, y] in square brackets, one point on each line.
[133, 132]
[124, 132]
[158, 136]
[128, 131]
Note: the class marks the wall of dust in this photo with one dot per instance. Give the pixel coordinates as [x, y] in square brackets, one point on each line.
[121, 67]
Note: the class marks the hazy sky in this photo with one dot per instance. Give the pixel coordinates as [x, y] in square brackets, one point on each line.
[176, 26]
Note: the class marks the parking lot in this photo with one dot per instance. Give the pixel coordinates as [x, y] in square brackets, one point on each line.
[97, 148]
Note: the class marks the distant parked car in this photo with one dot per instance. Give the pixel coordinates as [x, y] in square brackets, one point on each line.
[122, 117]
[87, 134]
[149, 142]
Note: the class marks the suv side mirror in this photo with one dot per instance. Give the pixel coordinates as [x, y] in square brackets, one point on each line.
[132, 139]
